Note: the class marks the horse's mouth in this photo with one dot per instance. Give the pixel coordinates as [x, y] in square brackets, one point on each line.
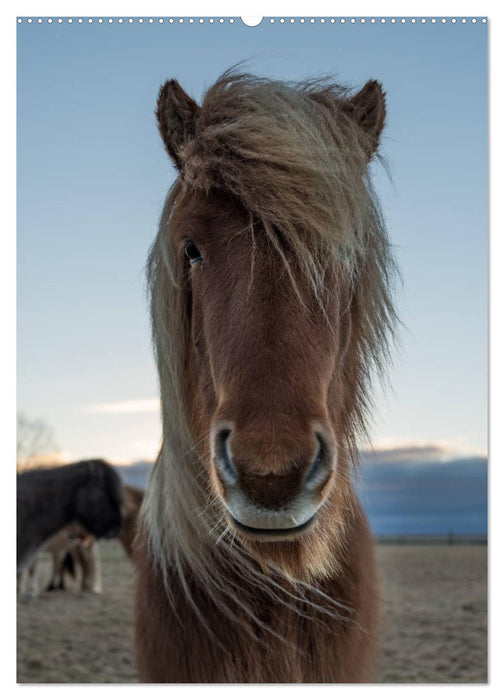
[272, 533]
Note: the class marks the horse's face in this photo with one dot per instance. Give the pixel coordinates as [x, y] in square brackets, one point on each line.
[272, 372]
[262, 365]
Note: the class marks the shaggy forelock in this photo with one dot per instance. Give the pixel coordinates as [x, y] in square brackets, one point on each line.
[292, 154]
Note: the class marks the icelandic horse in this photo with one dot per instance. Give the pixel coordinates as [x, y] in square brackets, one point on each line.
[86, 493]
[70, 546]
[271, 284]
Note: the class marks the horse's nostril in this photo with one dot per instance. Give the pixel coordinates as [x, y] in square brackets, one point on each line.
[320, 468]
[223, 458]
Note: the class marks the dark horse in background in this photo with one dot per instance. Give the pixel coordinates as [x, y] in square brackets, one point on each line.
[270, 282]
[88, 493]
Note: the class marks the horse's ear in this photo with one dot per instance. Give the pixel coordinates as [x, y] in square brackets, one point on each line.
[367, 108]
[176, 114]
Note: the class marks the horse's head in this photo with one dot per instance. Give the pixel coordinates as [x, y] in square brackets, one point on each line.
[262, 244]
[97, 503]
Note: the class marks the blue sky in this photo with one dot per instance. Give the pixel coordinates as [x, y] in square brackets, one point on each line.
[92, 176]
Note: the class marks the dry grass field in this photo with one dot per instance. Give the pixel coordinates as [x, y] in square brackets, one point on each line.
[434, 620]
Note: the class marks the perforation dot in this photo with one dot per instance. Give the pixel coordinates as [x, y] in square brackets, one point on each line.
[49, 21]
[483, 20]
[322, 21]
[39, 21]
[403, 21]
[80, 20]
[433, 20]
[352, 20]
[130, 21]
[292, 20]
[302, 20]
[413, 21]
[171, 20]
[231, 21]
[160, 20]
[342, 20]
[282, 20]
[463, 20]
[29, 21]
[333, 20]
[393, 20]
[363, 21]
[201, 21]
[424, 20]
[191, 21]
[211, 21]
[454, 21]
[19, 20]
[272, 21]
[372, 20]
[60, 21]
[383, 20]
[181, 21]
[312, 21]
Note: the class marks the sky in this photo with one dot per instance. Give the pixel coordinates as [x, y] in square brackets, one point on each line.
[92, 177]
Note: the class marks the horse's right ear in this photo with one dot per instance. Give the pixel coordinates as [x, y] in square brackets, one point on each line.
[176, 114]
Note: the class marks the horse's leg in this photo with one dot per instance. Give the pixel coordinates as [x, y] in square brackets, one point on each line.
[91, 567]
[33, 590]
[56, 577]
[22, 582]
[97, 572]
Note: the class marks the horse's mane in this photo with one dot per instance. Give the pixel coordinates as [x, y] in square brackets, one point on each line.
[297, 161]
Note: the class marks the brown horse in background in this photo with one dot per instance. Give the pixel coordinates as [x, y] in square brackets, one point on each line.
[270, 297]
[132, 502]
[70, 546]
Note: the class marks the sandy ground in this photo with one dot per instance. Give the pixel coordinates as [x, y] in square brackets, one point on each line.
[434, 620]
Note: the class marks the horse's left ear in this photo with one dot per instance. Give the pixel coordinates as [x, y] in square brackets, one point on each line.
[367, 108]
[176, 114]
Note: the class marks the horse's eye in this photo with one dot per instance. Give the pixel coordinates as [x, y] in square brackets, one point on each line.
[193, 253]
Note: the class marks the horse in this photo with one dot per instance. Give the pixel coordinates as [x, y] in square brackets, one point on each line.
[271, 286]
[88, 493]
[69, 547]
[73, 548]
[81, 552]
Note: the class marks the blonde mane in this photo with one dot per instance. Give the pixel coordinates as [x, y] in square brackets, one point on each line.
[296, 159]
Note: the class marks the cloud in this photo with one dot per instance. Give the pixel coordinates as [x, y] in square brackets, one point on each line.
[405, 453]
[425, 497]
[129, 406]
[391, 451]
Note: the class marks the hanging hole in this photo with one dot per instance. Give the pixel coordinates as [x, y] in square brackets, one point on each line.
[251, 21]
